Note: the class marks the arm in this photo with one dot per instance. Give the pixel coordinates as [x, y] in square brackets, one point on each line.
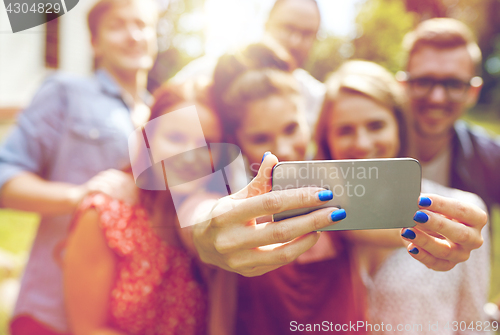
[89, 274]
[29, 192]
[30, 149]
[227, 235]
[31, 145]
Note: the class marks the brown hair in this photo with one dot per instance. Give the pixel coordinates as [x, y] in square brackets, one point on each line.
[443, 33]
[252, 85]
[240, 76]
[267, 54]
[278, 3]
[370, 80]
[96, 13]
[102, 7]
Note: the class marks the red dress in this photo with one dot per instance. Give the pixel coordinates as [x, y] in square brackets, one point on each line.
[156, 289]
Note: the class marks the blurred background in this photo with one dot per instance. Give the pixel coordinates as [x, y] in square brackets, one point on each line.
[367, 29]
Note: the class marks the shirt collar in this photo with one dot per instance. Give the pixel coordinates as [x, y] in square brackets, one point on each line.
[108, 84]
[111, 87]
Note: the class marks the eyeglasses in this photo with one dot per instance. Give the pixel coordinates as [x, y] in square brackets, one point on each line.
[288, 31]
[455, 89]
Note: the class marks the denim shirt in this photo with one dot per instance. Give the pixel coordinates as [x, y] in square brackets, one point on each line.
[74, 128]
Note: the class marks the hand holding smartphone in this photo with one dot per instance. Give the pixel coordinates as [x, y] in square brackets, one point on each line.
[376, 193]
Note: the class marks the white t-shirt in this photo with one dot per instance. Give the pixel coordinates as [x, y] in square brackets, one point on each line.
[438, 169]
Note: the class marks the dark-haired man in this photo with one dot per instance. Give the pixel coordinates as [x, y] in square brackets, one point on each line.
[66, 143]
[442, 83]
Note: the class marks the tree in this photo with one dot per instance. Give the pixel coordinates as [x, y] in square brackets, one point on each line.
[327, 55]
[382, 25]
[178, 29]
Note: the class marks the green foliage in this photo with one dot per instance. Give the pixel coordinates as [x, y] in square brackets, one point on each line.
[488, 121]
[382, 25]
[180, 39]
[326, 56]
[17, 230]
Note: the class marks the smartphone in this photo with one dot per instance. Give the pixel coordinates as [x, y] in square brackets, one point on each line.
[376, 193]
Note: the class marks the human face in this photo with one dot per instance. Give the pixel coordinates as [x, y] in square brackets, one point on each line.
[359, 127]
[294, 25]
[435, 114]
[273, 124]
[126, 37]
[175, 136]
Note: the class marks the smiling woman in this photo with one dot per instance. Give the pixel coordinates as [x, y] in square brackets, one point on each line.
[138, 277]
[362, 114]
[351, 133]
[363, 118]
[264, 111]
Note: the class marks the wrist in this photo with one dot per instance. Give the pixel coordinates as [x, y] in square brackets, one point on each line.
[199, 244]
[75, 195]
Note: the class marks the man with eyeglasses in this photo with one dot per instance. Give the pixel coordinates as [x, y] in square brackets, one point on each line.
[442, 83]
[294, 24]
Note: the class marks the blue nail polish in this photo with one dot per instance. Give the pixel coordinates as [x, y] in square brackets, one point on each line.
[409, 234]
[421, 217]
[338, 215]
[325, 195]
[425, 202]
[265, 154]
[414, 251]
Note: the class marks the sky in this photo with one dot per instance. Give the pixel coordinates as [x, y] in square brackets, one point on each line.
[232, 23]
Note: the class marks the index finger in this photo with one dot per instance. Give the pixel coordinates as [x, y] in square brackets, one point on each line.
[463, 212]
[244, 210]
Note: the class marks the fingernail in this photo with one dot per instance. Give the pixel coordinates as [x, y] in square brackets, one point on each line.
[325, 195]
[265, 154]
[421, 217]
[409, 234]
[414, 251]
[425, 202]
[338, 215]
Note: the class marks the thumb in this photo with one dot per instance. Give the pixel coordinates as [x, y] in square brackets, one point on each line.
[262, 183]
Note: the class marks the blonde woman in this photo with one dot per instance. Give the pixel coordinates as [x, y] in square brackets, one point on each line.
[364, 117]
